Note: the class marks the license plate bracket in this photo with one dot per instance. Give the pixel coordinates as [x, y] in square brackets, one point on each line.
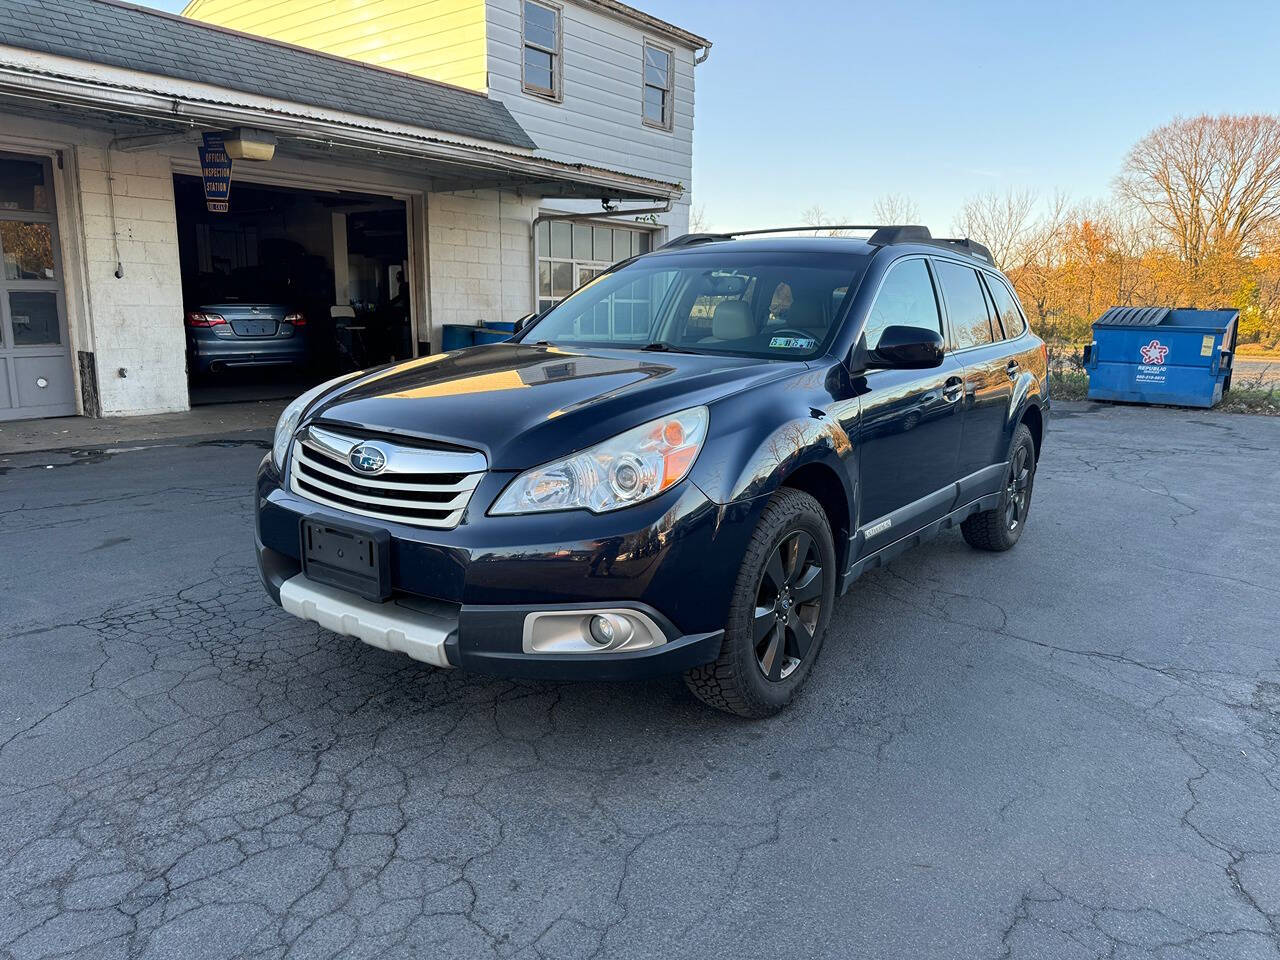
[349, 556]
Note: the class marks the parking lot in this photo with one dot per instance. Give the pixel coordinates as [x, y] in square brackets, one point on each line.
[1066, 751]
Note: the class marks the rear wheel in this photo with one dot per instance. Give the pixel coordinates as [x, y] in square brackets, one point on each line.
[1000, 527]
[779, 613]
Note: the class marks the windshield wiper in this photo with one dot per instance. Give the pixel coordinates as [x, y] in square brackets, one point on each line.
[661, 346]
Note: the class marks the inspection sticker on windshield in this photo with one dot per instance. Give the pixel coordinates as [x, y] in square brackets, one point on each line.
[793, 343]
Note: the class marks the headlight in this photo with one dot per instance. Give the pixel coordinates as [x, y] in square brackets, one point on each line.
[632, 467]
[288, 421]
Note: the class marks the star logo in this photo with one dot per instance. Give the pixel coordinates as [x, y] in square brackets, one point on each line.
[1154, 352]
[367, 458]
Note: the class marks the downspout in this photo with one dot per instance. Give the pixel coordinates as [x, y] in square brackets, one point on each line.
[552, 217]
[118, 143]
[111, 208]
[702, 57]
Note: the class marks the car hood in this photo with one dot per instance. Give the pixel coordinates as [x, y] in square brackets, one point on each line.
[524, 405]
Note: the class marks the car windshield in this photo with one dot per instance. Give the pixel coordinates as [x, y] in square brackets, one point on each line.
[768, 304]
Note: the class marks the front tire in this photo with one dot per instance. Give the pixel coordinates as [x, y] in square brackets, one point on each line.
[779, 612]
[1001, 527]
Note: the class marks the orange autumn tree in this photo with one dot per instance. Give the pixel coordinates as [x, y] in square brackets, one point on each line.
[1194, 220]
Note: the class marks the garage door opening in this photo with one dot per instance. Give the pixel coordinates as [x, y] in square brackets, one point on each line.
[289, 288]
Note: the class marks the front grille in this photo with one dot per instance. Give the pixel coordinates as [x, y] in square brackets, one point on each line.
[420, 486]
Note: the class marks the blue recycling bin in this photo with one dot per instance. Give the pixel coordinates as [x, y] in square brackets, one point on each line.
[1180, 357]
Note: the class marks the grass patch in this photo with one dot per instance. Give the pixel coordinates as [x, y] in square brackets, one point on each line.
[1250, 399]
[1068, 385]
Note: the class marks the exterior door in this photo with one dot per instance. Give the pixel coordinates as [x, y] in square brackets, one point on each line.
[909, 437]
[35, 356]
[988, 367]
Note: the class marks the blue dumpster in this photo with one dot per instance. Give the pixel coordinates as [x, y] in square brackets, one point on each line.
[457, 336]
[490, 335]
[1163, 355]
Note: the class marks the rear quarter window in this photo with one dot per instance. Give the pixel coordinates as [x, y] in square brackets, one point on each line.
[1007, 311]
[966, 304]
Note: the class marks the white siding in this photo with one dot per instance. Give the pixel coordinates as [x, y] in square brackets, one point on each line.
[598, 121]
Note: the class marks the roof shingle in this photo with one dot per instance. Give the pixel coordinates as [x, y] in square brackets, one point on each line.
[121, 35]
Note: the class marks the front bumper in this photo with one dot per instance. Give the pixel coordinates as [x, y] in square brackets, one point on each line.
[461, 597]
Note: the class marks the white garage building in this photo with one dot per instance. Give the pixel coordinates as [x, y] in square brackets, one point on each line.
[105, 235]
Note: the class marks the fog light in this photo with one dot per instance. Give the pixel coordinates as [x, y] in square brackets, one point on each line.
[590, 631]
[609, 630]
[602, 631]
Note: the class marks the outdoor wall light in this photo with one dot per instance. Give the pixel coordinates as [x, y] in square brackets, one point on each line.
[247, 143]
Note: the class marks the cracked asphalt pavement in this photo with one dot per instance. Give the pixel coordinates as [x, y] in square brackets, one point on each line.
[1066, 751]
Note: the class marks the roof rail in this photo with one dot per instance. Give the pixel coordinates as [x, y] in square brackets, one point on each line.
[905, 233]
[969, 246]
[690, 239]
[881, 236]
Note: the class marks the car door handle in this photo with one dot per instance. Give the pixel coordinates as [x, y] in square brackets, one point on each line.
[953, 389]
[1012, 369]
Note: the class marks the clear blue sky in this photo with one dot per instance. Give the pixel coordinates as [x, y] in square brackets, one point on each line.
[834, 102]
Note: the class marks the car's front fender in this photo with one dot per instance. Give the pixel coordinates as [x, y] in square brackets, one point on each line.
[750, 455]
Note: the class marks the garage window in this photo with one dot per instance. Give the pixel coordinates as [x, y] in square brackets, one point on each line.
[571, 254]
[542, 49]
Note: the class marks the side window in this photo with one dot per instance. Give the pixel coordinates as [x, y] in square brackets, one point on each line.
[1006, 308]
[966, 304]
[906, 299]
[541, 35]
[657, 86]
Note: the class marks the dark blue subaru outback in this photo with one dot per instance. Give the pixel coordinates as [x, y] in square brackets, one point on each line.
[676, 469]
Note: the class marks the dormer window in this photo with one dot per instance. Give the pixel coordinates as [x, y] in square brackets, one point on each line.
[542, 49]
[658, 105]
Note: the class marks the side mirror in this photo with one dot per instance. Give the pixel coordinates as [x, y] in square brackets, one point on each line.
[907, 348]
[524, 321]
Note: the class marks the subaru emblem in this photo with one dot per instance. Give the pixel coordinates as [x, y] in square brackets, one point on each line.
[366, 458]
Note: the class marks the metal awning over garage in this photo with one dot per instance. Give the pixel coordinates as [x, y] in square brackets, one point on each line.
[169, 76]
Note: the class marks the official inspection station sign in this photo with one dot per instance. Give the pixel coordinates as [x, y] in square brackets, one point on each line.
[215, 167]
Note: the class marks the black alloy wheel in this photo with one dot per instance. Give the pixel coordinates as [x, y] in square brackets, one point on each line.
[788, 605]
[1000, 527]
[1018, 488]
[778, 613]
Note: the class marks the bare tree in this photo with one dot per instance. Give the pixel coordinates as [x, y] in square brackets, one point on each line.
[698, 218]
[895, 208]
[1001, 221]
[821, 222]
[1211, 184]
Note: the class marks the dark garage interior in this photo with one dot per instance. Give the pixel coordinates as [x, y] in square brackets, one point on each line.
[289, 288]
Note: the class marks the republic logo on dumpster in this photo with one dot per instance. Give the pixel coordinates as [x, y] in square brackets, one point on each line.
[1154, 352]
